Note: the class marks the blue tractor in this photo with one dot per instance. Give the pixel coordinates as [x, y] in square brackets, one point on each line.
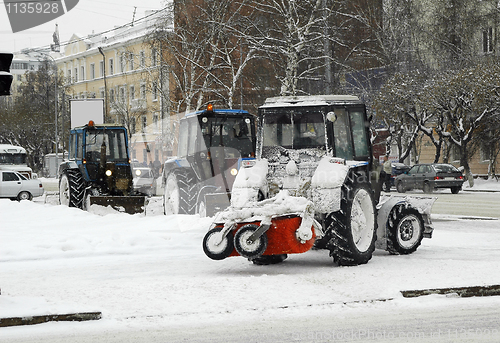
[98, 170]
[213, 144]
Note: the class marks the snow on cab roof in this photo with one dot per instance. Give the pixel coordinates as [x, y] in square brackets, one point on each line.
[11, 149]
[313, 100]
[218, 110]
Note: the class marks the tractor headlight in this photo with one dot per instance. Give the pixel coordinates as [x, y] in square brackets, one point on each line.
[138, 172]
[109, 172]
[234, 171]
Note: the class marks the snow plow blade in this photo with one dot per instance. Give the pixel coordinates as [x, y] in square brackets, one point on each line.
[128, 204]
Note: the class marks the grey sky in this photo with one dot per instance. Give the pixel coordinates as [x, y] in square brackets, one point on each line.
[88, 16]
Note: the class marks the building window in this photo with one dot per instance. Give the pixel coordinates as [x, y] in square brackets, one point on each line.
[143, 91]
[122, 95]
[101, 94]
[101, 68]
[92, 71]
[155, 120]
[112, 95]
[122, 64]
[69, 75]
[488, 40]
[111, 67]
[131, 61]
[132, 92]
[153, 57]
[82, 73]
[144, 123]
[142, 59]
[155, 92]
[76, 74]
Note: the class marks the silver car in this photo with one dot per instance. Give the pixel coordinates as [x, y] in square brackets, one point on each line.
[144, 181]
[17, 187]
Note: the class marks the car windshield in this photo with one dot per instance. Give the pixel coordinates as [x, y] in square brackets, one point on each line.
[292, 129]
[116, 150]
[445, 168]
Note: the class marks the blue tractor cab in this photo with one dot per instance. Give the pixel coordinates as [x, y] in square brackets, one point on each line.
[213, 144]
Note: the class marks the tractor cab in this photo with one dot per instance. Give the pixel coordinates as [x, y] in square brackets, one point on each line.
[213, 145]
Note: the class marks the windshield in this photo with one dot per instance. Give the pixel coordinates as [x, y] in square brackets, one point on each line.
[13, 159]
[292, 130]
[114, 140]
[445, 168]
[229, 132]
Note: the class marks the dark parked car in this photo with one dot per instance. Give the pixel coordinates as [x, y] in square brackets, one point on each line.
[428, 177]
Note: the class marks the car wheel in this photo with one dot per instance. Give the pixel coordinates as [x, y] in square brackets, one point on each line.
[400, 187]
[428, 188]
[24, 196]
[455, 190]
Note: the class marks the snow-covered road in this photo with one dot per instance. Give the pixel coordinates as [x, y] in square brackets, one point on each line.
[150, 273]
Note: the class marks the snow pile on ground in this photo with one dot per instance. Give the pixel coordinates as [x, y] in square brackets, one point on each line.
[483, 185]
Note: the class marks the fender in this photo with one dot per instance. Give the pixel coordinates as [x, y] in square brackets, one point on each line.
[67, 165]
[388, 202]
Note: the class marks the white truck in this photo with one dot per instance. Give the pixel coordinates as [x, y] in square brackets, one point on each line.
[13, 158]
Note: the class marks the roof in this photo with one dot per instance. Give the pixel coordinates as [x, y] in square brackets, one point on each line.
[312, 100]
[218, 111]
[12, 149]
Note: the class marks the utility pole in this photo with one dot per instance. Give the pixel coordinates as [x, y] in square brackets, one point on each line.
[105, 85]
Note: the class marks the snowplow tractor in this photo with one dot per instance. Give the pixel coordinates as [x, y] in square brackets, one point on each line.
[313, 184]
[98, 170]
[213, 145]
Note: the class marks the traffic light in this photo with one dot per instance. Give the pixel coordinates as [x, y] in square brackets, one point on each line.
[5, 75]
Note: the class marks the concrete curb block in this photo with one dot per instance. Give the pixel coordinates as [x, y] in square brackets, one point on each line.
[464, 292]
[72, 317]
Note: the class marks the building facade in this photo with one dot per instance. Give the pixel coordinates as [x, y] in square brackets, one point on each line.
[122, 68]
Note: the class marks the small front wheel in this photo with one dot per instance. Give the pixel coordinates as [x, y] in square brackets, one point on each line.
[405, 230]
[213, 248]
[245, 246]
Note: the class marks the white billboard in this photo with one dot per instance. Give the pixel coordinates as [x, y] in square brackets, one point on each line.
[84, 110]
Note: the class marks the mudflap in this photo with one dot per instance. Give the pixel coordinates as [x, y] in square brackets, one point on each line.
[128, 204]
[387, 203]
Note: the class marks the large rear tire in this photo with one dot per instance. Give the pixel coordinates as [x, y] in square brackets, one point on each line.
[176, 196]
[353, 228]
[71, 189]
[405, 230]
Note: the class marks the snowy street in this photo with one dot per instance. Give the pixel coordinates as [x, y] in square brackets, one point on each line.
[149, 277]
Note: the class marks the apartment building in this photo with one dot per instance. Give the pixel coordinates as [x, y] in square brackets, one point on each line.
[122, 68]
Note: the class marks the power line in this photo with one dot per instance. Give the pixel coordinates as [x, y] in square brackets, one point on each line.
[62, 44]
